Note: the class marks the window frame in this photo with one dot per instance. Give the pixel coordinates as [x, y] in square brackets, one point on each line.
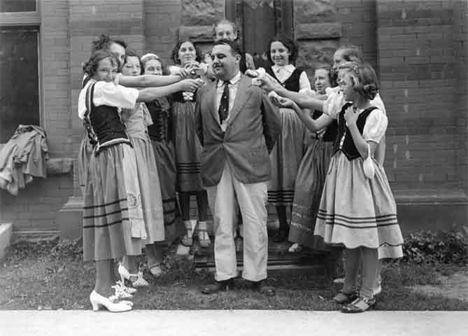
[29, 19]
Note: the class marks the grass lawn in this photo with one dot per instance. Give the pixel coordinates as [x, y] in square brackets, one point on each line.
[49, 275]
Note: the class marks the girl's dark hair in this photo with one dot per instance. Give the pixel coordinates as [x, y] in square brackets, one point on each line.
[288, 43]
[364, 78]
[104, 42]
[132, 53]
[175, 51]
[91, 65]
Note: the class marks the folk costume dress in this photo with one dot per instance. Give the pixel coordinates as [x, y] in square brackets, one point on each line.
[187, 145]
[289, 149]
[113, 224]
[136, 121]
[308, 188]
[162, 139]
[355, 210]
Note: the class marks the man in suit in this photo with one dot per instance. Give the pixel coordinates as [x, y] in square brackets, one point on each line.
[238, 127]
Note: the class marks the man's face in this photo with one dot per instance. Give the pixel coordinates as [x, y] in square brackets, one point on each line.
[225, 64]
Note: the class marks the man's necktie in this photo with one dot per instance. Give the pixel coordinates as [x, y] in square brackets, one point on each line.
[224, 104]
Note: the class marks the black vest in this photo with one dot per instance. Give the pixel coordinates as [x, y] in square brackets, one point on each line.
[292, 83]
[332, 129]
[348, 147]
[160, 111]
[105, 122]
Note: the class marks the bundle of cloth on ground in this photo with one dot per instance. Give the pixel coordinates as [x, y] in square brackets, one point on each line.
[23, 158]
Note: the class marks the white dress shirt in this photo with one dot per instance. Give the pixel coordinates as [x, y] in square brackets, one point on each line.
[233, 86]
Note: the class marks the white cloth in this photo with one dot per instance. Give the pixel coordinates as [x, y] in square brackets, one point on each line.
[107, 93]
[284, 72]
[375, 127]
[233, 86]
[252, 200]
[335, 101]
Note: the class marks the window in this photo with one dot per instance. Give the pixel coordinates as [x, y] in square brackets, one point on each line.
[19, 65]
[12, 6]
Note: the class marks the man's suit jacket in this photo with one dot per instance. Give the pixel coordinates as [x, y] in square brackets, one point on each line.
[252, 130]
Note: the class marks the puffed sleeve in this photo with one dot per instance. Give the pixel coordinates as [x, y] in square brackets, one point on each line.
[304, 82]
[378, 102]
[334, 102]
[375, 127]
[114, 95]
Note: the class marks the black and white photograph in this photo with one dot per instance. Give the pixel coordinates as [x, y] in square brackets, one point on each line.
[234, 167]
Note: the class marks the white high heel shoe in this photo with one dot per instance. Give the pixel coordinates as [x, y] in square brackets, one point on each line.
[97, 301]
[125, 274]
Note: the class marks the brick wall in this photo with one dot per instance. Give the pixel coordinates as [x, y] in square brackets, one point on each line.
[417, 64]
[162, 20]
[55, 64]
[33, 211]
[358, 21]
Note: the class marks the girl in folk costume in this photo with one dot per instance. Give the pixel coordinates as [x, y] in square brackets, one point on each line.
[357, 208]
[188, 148]
[113, 224]
[162, 139]
[137, 121]
[289, 150]
[117, 47]
[333, 103]
[311, 175]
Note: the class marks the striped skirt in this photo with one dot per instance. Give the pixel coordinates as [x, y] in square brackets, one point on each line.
[356, 211]
[113, 224]
[150, 188]
[286, 157]
[187, 148]
[307, 193]
[165, 161]
[84, 154]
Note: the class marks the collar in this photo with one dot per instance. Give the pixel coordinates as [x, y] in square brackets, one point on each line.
[289, 68]
[233, 80]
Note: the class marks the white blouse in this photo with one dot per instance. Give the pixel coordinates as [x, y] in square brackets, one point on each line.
[284, 72]
[376, 125]
[108, 93]
[335, 101]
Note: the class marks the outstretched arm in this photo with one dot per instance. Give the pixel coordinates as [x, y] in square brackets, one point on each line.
[148, 80]
[150, 94]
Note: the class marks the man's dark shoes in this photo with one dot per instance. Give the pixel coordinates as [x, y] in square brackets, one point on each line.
[263, 288]
[280, 236]
[218, 286]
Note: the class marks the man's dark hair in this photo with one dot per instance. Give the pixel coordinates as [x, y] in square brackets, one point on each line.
[235, 48]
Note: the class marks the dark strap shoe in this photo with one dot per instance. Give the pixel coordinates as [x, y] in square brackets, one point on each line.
[263, 288]
[218, 286]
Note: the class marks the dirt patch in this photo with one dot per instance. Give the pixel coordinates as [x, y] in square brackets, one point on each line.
[454, 286]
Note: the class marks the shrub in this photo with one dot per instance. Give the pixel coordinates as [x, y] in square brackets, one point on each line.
[437, 247]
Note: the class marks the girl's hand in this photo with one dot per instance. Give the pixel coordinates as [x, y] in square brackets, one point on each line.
[280, 101]
[351, 116]
[190, 85]
[269, 83]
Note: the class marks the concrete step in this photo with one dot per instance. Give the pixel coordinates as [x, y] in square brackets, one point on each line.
[6, 230]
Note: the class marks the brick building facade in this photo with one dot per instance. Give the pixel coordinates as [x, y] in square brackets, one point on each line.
[419, 49]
